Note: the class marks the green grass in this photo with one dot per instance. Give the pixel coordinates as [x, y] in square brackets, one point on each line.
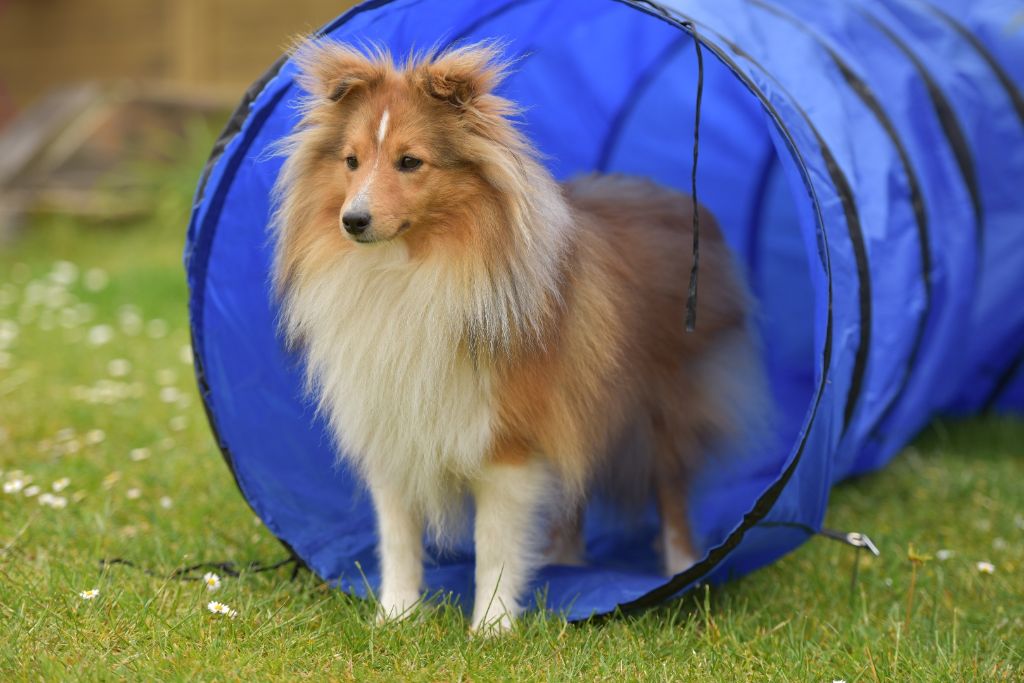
[959, 488]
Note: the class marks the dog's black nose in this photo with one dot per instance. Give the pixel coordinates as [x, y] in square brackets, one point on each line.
[356, 222]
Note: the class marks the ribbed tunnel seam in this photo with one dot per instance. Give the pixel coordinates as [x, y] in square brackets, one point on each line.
[868, 98]
[949, 122]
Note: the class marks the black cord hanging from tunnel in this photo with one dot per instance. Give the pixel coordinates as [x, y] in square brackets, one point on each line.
[691, 297]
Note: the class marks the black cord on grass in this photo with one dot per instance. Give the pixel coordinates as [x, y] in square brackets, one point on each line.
[691, 299]
[190, 573]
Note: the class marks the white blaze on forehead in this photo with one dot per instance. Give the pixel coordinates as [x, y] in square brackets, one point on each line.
[382, 129]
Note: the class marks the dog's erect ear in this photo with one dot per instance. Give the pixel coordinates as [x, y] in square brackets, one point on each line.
[330, 70]
[462, 75]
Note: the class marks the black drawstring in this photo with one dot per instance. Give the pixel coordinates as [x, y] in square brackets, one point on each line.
[691, 299]
[226, 568]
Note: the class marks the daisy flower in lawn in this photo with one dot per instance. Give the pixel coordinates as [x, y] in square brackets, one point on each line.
[95, 279]
[14, 485]
[119, 367]
[943, 555]
[185, 354]
[986, 567]
[138, 454]
[95, 436]
[64, 272]
[211, 580]
[32, 491]
[90, 594]
[130, 320]
[157, 328]
[133, 493]
[166, 377]
[55, 502]
[166, 502]
[169, 394]
[8, 333]
[221, 608]
[60, 484]
[100, 335]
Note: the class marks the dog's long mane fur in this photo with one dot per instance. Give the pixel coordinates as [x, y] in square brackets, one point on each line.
[493, 297]
[507, 285]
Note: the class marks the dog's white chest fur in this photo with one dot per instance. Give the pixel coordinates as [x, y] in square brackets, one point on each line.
[381, 336]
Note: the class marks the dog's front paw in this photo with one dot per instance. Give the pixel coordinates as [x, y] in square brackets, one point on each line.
[397, 606]
[490, 624]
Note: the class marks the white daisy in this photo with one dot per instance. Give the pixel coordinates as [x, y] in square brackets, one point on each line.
[64, 272]
[8, 333]
[130, 320]
[221, 608]
[169, 394]
[90, 594]
[166, 377]
[157, 328]
[185, 354]
[100, 334]
[69, 318]
[133, 493]
[986, 567]
[95, 279]
[211, 580]
[95, 436]
[119, 367]
[32, 491]
[14, 485]
[138, 454]
[943, 555]
[166, 502]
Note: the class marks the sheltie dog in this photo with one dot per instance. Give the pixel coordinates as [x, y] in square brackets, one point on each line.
[475, 331]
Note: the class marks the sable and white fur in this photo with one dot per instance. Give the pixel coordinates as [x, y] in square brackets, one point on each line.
[489, 333]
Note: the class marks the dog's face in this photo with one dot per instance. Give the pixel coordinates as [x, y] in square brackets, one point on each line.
[395, 152]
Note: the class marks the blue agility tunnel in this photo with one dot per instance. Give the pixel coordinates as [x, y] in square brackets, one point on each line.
[865, 161]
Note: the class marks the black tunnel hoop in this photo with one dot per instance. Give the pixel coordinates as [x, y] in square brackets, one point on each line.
[767, 499]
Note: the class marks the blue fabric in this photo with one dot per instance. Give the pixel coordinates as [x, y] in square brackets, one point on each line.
[812, 186]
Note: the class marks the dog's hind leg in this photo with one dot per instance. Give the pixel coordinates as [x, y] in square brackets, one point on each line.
[673, 450]
[565, 544]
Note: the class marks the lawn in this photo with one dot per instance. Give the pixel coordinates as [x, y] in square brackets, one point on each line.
[97, 399]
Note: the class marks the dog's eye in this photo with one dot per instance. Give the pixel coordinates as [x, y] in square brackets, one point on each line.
[408, 163]
[352, 162]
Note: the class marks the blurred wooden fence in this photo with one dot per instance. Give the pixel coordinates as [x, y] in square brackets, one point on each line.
[217, 45]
